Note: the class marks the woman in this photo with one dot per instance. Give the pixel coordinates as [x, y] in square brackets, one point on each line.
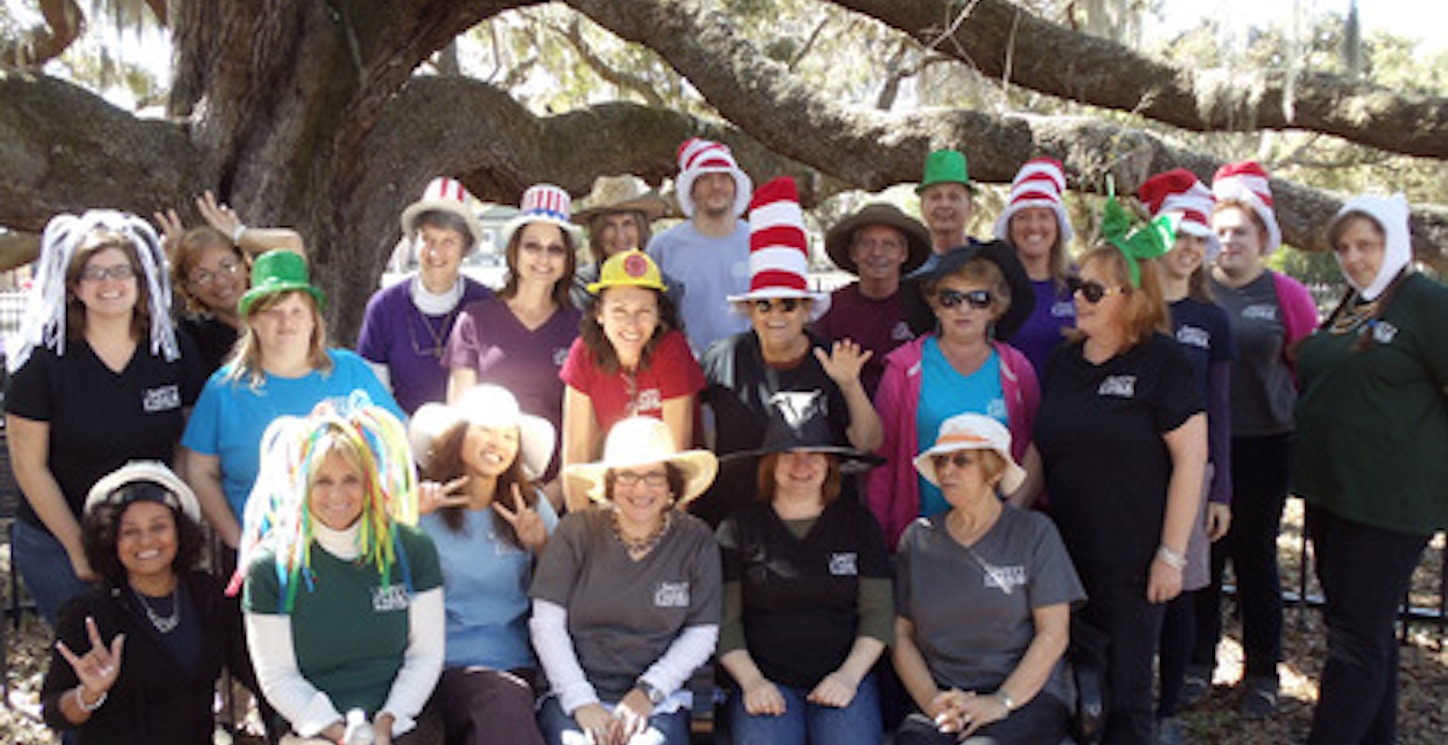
[807, 601]
[282, 367]
[626, 596]
[630, 359]
[982, 661]
[777, 368]
[1203, 333]
[1037, 226]
[343, 599]
[1373, 450]
[1124, 442]
[489, 523]
[617, 214]
[519, 338]
[405, 331]
[137, 658]
[96, 355]
[1269, 312]
[979, 294]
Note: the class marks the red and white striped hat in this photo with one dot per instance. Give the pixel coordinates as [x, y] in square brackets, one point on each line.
[1039, 183]
[697, 157]
[779, 248]
[1247, 182]
[448, 195]
[545, 203]
[1180, 192]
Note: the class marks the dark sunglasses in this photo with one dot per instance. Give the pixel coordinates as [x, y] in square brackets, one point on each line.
[978, 299]
[959, 458]
[1091, 290]
[789, 304]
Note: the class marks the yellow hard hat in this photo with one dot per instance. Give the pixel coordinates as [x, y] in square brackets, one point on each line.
[632, 268]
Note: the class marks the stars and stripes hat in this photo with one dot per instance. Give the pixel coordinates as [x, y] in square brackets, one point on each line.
[779, 248]
[444, 194]
[697, 157]
[1041, 182]
[1180, 192]
[545, 203]
[1247, 182]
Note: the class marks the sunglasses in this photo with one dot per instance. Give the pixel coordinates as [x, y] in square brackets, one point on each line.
[959, 458]
[978, 299]
[1090, 289]
[789, 304]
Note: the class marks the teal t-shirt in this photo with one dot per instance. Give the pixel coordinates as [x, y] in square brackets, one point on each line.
[945, 393]
[349, 630]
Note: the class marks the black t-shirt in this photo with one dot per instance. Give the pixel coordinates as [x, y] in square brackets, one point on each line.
[1099, 431]
[744, 392]
[100, 419]
[214, 339]
[801, 595]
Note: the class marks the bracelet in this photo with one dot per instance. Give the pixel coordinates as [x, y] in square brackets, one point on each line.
[1006, 700]
[236, 234]
[89, 708]
[1174, 559]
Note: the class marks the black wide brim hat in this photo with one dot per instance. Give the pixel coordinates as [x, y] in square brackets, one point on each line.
[810, 433]
[1000, 253]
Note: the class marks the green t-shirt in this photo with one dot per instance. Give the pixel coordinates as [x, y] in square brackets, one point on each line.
[1372, 424]
[349, 631]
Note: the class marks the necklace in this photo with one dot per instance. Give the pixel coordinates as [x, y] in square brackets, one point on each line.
[164, 624]
[438, 334]
[1353, 318]
[638, 547]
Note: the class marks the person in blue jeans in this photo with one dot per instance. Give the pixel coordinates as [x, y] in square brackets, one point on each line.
[808, 605]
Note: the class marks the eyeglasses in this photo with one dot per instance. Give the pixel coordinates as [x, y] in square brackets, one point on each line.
[789, 304]
[224, 268]
[630, 479]
[978, 299]
[98, 273]
[959, 458]
[1090, 289]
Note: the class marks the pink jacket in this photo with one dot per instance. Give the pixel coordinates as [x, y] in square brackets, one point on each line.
[1299, 314]
[893, 493]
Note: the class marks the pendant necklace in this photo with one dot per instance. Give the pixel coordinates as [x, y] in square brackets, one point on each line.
[164, 624]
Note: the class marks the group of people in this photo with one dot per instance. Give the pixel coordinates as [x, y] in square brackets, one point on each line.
[531, 513]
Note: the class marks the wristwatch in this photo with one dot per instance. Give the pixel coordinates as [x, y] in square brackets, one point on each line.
[654, 695]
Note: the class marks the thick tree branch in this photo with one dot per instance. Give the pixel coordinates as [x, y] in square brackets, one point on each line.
[1054, 60]
[64, 21]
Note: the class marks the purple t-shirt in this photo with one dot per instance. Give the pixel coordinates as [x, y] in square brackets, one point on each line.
[490, 340]
[876, 325]
[412, 345]
[1054, 312]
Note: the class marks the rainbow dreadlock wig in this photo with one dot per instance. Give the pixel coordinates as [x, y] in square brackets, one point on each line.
[278, 518]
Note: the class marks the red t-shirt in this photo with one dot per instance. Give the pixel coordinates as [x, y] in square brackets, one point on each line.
[671, 373]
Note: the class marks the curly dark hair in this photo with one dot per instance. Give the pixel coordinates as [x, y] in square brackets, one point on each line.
[101, 529]
[601, 349]
[446, 464]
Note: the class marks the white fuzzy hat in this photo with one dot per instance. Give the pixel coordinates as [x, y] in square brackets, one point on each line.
[1391, 215]
[697, 157]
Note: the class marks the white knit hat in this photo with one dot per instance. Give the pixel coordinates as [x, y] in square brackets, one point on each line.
[1039, 183]
[1247, 182]
[1391, 215]
[779, 248]
[1179, 192]
[447, 195]
[697, 157]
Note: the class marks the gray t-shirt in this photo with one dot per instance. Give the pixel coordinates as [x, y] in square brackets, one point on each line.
[971, 607]
[624, 614]
[1263, 393]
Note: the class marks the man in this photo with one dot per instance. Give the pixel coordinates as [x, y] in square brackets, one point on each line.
[708, 254]
[945, 204]
[878, 244]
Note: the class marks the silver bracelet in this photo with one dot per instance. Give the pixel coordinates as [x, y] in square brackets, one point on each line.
[1174, 559]
[236, 234]
[1006, 700]
[89, 708]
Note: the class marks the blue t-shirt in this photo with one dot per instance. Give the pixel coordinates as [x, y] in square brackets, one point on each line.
[710, 270]
[945, 393]
[485, 589]
[231, 415]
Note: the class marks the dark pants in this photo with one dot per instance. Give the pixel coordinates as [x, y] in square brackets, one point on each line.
[480, 706]
[1178, 634]
[1043, 720]
[1261, 469]
[1118, 606]
[1365, 573]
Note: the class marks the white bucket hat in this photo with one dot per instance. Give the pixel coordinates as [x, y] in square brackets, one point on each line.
[972, 432]
[638, 441]
[145, 471]
[486, 406]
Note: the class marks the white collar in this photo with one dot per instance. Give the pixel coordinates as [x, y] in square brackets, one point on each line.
[435, 304]
[339, 543]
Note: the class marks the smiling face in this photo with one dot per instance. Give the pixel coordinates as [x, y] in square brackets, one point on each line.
[284, 328]
[489, 452]
[439, 256]
[713, 194]
[217, 278]
[1242, 241]
[1033, 232]
[1360, 247]
[107, 285]
[641, 494]
[1108, 312]
[335, 495]
[146, 540]
[798, 473]
[777, 327]
[542, 254]
[963, 477]
[1185, 256]
[616, 232]
[629, 316]
[946, 208]
[878, 252]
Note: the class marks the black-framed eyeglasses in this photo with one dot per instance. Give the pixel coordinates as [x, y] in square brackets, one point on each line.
[978, 299]
[225, 267]
[788, 304]
[959, 458]
[98, 273]
[1090, 289]
[629, 479]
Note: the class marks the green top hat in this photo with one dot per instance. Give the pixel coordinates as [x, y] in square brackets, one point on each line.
[945, 167]
[279, 271]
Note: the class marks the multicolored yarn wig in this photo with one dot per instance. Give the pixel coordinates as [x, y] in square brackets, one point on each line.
[1136, 243]
[277, 517]
[44, 321]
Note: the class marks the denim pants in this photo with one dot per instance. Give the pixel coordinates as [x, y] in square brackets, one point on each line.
[1365, 572]
[560, 729]
[803, 722]
[1261, 469]
[45, 568]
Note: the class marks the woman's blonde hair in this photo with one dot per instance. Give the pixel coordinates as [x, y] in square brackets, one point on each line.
[246, 361]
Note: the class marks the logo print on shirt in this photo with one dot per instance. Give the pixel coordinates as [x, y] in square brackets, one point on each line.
[560, 356]
[1063, 309]
[650, 399]
[671, 595]
[165, 398]
[1120, 386]
[1005, 578]
[996, 409]
[798, 407]
[1260, 312]
[1383, 332]
[389, 598]
[902, 332]
[1194, 337]
[844, 564]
